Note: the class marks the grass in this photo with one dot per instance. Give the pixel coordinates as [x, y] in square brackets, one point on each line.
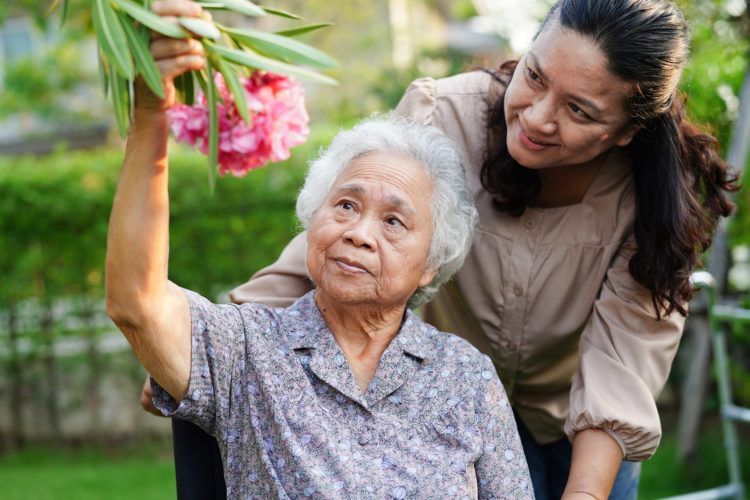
[88, 474]
[666, 474]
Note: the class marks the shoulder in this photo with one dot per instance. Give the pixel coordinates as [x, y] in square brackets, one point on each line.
[476, 83]
[235, 324]
[424, 95]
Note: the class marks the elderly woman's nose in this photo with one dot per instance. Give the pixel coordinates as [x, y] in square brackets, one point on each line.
[361, 233]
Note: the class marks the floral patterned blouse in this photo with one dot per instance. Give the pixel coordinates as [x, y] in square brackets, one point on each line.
[275, 389]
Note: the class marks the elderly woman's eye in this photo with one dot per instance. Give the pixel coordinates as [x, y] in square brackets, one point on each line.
[346, 205]
[393, 221]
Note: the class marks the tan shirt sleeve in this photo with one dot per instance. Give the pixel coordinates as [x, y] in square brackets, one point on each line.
[624, 359]
[281, 283]
[418, 101]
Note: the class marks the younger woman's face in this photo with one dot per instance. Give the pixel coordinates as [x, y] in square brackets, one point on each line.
[563, 106]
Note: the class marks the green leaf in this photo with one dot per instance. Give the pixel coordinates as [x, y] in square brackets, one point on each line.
[242, 6]
[111, 38]
[153, 21]
[253, 60]
[143, 58]
[213, 125]
[51, 8]
[202, 82]
[236, 88]
[281, 13]
[186, 87]
[201, 27]
[64, 13]
[120, 99]
[103, 76]
[281, 47]
[303, 29]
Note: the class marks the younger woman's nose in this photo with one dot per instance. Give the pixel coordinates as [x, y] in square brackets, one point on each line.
[540, 118]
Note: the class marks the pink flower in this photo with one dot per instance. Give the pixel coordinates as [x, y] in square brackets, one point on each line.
[279, 122]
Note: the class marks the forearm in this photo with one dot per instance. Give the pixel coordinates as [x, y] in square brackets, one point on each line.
[595, 462]
[137, 242]
[151, 312]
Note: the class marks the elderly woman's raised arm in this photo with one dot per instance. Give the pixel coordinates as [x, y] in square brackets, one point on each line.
[152, 313]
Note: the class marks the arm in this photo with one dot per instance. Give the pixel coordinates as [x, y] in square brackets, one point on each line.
[151, 312]
[596, 459]
[625, 355]
[281, 283]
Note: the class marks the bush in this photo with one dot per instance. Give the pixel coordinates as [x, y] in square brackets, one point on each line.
[54, 212]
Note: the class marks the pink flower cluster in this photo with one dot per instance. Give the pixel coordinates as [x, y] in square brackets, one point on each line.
[279, 122]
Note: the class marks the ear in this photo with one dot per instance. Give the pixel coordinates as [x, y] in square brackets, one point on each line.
[427, 277]
[627, 134]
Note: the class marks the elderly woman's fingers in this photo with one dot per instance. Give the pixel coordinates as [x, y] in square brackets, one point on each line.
[165, 48]
[146, 401]
[174, 56]
[175, 66]
[176, 8]
[170, 10]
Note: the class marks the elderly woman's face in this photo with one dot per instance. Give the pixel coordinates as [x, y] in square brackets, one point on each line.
[369, 241]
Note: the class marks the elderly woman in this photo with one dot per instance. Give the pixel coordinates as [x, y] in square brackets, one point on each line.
[347, 392]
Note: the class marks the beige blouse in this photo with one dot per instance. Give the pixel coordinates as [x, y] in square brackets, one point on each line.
[547, 295]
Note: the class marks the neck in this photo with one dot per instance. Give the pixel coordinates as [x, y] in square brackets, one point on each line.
[566, 185]
[362, 332]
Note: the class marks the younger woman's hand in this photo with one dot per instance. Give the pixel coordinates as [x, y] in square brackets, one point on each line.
[173, 56]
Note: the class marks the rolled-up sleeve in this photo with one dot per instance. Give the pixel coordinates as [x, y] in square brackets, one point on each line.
[625, 355]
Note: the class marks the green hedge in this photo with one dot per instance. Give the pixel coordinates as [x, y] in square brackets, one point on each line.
[54, 212]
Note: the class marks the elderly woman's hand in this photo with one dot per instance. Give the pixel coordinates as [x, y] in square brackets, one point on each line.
[173, 56]
[146, 402]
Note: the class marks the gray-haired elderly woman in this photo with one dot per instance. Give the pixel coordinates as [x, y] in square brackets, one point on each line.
[347, 393]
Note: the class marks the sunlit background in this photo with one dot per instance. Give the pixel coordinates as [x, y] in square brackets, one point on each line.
[70, 421]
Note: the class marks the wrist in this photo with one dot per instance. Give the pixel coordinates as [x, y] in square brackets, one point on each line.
[151, 122]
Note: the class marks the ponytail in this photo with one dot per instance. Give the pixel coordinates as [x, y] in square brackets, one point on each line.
[682, 187]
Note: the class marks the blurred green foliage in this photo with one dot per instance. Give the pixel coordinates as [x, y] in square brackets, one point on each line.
[43, 84]
[54, 212]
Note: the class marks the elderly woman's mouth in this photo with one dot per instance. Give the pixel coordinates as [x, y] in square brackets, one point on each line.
[351, 266]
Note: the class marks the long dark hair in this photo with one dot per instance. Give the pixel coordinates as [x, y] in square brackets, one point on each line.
[681, 182]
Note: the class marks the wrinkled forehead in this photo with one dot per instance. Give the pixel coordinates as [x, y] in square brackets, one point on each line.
[387, 168]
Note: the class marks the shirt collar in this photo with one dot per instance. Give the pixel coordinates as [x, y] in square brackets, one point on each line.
[412, 338]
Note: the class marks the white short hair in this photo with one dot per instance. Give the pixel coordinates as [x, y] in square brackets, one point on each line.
[452, 206]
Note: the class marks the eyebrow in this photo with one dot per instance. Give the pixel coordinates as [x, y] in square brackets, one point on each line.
[393, 201]
[582, 100]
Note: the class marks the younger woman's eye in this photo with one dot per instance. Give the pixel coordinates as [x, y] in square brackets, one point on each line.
[532, 74]
[578, 111]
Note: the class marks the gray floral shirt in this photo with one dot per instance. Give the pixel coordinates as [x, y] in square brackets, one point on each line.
[276, 390]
